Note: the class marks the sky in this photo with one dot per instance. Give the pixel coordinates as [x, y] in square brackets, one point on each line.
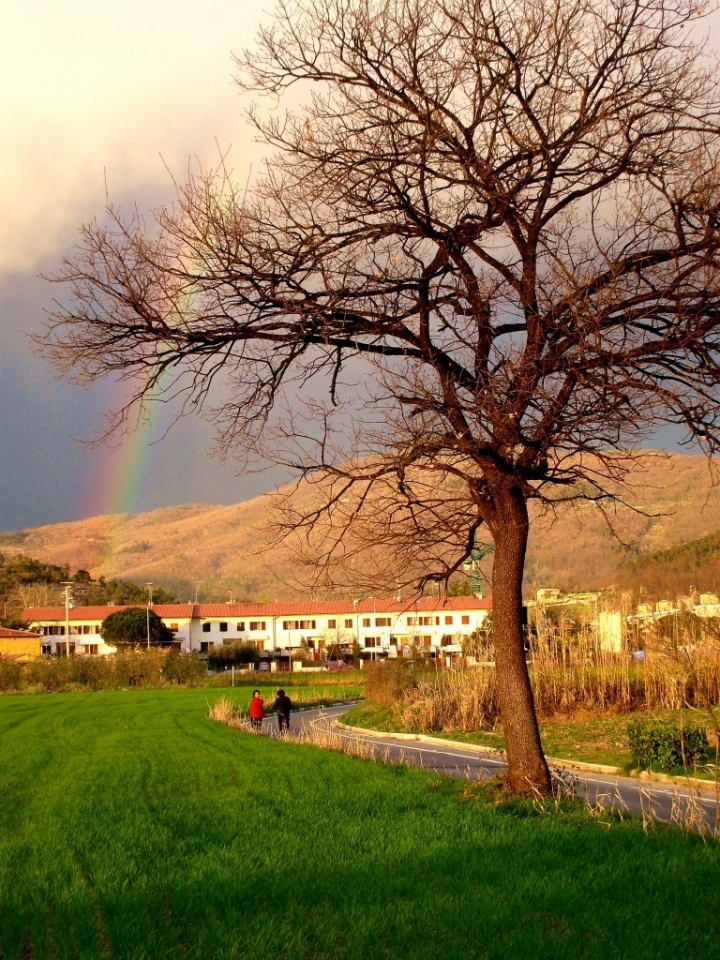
[95, 96]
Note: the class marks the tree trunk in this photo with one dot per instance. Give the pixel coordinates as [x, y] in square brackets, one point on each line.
[527, 767]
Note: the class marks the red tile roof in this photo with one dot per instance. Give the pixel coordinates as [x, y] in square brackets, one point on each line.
[37, 614]
[308, 607]
[7, 633]
[288, 608]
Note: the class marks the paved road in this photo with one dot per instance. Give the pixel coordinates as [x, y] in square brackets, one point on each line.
[694, 808]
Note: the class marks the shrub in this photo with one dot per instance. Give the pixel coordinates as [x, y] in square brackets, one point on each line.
[235, 653]
[11, 674]
[184, 668]
[388, 682]
[664, 743]
[51, 673]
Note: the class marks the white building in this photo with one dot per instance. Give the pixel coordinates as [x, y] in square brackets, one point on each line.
[381, 627]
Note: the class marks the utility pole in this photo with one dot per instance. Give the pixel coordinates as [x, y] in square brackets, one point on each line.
[149, 604]
[68, 587]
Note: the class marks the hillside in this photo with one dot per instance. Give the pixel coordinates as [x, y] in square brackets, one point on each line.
[222, 551]
[671, 572]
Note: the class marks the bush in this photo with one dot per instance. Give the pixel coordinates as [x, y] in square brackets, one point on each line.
[666, 744]
[11, 675]
[184, 668]
[388, 682]
[233, 654]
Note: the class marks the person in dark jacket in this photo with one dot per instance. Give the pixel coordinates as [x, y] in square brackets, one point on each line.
[257, 711]
[283, 706]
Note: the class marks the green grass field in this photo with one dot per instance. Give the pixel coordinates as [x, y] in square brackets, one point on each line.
[131, 826]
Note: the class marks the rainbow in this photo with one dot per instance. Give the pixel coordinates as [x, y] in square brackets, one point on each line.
[117, 475]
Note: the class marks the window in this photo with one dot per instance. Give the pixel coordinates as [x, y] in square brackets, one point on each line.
[427, 641]
[241, 628]
[206, 629]
[465, 620]
[448, 621]
[260, 644]
[366, 621]
[423, 621]
[257, 624]
[294, 625]
[348, 624]
[174, 627]
[205, 645]
[97, 628]
[332, 624]
[46, 648]
[56, 631]
[372, 641]
[382, 621]
[92, 649]
[223, 626]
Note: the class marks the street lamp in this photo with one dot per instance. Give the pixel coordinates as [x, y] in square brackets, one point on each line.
[68, 584]
[149, 604]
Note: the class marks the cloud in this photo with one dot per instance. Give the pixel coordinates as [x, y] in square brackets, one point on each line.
[92, 91]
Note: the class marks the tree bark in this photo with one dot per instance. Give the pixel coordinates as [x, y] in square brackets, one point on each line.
[527, 767]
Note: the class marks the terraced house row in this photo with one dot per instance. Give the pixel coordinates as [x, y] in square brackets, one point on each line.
[381, 627]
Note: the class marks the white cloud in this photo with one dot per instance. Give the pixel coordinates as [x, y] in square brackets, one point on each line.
[89, 89]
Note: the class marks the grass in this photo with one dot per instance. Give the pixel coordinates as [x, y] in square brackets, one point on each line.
[133, 827]
[591, 739]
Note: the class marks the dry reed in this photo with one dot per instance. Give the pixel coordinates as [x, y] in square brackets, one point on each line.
[568, 673]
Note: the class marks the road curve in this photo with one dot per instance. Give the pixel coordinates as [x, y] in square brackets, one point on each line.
[688, 806]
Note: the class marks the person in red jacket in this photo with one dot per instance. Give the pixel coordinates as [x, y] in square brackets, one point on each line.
[257, 711]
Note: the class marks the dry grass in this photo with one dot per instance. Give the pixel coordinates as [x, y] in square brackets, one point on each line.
[568, 674]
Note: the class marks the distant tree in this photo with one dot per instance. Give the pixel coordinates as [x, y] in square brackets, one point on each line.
[487, 253]
[128, 628]
[336, 640]
[119, 592]
[14, 623]
[460, 587]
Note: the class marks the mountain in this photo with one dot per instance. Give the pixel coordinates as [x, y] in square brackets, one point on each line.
[224, 552]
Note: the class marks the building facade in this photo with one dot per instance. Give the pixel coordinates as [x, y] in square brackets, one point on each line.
[19, 644]
[380, 627]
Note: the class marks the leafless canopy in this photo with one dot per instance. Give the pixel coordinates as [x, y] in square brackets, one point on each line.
[501, 216]
[488, 240]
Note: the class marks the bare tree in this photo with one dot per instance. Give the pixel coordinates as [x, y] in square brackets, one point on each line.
[485, 251]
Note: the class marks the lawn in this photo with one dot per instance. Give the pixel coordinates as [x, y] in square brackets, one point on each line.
[131, 826]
